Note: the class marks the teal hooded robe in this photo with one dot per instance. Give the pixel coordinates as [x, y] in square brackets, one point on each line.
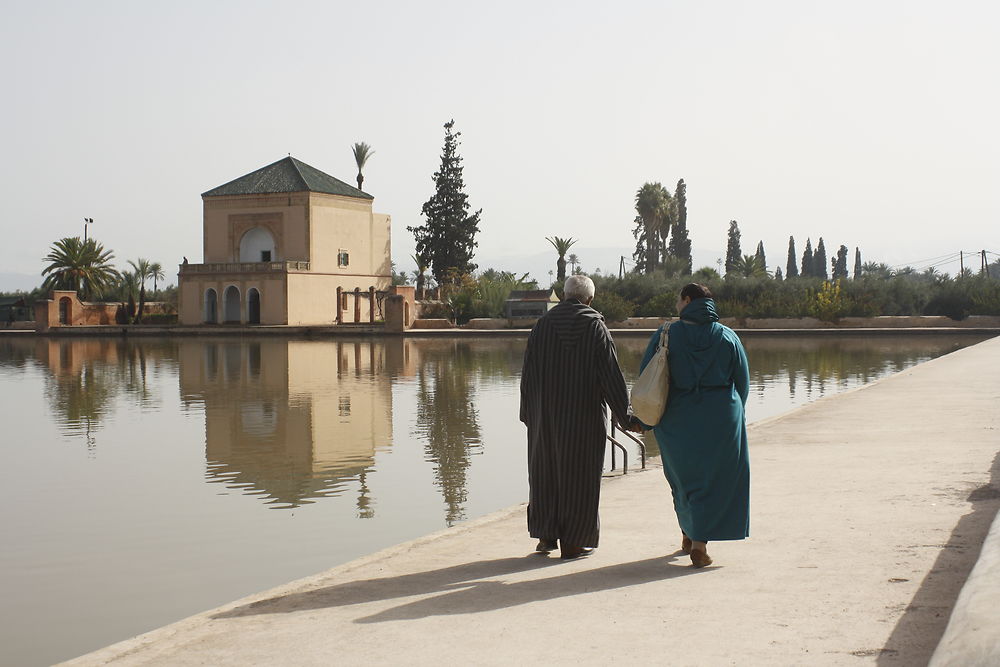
[702, 434]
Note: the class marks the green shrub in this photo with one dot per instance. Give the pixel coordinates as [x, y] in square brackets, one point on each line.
[160, 319]
[661, 305]
[903, 293]
[957, 299]
[826, 303]
[434, 310]
[612, 306]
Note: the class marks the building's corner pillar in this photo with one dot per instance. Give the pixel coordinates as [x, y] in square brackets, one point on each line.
[394, 318]
[43, 315]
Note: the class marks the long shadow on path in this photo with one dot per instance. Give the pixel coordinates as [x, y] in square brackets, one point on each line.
[469, 588]
[918, 632]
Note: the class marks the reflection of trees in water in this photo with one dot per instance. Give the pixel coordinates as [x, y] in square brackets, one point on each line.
[447, 417]
[816, 363]
[86, 377]
[81, 399]
[15, 353]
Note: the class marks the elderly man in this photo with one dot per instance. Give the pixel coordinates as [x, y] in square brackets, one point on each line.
[570, 373]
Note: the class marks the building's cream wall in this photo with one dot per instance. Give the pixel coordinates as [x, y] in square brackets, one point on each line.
[189, 301]
[312, 299]
[191, 297]
[348, 223]
[226, 219]
[309, 227]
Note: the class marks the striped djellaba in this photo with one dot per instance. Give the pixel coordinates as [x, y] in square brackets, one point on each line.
[570, 373]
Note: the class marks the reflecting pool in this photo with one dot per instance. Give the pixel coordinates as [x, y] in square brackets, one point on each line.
[146, 480]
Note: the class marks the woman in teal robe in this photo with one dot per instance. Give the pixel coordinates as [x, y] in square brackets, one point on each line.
[702, 435]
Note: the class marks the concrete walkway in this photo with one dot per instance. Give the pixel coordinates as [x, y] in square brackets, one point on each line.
[869, 509]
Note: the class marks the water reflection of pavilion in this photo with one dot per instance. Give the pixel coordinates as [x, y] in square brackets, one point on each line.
[290, 420]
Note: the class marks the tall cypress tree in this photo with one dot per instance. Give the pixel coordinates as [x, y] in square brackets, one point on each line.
[857, 263]
[840, 264]
[791, 268]
[448, 237]
[760, 254]
[733, 251]
[807, 259]
[680, 244]
[777, 274]
[819, 260]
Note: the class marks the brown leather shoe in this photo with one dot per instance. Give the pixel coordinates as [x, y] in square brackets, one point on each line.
[568, 552]
[545, 546]
[700, 558]
[685, 544]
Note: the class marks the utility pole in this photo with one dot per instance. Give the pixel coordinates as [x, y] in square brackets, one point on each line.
[86, 221]
[961, 263]
[986, 266]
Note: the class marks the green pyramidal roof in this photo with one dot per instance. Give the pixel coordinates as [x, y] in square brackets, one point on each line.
[286, 175]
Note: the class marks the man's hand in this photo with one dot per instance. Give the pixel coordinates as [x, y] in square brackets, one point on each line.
[634, 425]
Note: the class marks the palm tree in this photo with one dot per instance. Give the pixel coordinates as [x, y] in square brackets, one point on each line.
[674, 266]
[141, 268]
[128, 285]
[654, 205]
[422, 265]
[362, 152]
[705, 274]
[573, 261]
[561, 246]
[877, 270]
[130, 290]
[156, 273]
[84, 266]
[750, 266]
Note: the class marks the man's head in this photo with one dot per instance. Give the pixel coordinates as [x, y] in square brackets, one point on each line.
[580, 288]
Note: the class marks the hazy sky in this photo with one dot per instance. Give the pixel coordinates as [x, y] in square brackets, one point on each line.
[867, 123]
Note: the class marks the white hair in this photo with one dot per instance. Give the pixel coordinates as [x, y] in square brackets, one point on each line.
[579, 287]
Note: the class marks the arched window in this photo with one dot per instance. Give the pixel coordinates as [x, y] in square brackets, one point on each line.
[65, 311]
[231, 305]
[253, 306]
[211, 307]
[257, 245]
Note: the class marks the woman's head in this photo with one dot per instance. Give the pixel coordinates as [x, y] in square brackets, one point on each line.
[690, 292]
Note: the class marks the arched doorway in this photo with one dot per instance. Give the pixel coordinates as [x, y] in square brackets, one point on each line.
[257, 245]
[211, 307]
[253, 306]
[231, 305]
[65, 311]
[406, 314]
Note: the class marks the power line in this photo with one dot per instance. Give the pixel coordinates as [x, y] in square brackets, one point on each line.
[929, 259]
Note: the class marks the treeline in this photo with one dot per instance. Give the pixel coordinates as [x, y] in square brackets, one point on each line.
[871, 295]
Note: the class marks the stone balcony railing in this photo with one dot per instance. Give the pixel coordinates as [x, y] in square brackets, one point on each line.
[285, 266]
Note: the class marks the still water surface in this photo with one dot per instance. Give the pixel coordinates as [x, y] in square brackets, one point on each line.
[147, 480]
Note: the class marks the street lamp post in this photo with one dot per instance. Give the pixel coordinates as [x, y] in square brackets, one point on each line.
[86, 221]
